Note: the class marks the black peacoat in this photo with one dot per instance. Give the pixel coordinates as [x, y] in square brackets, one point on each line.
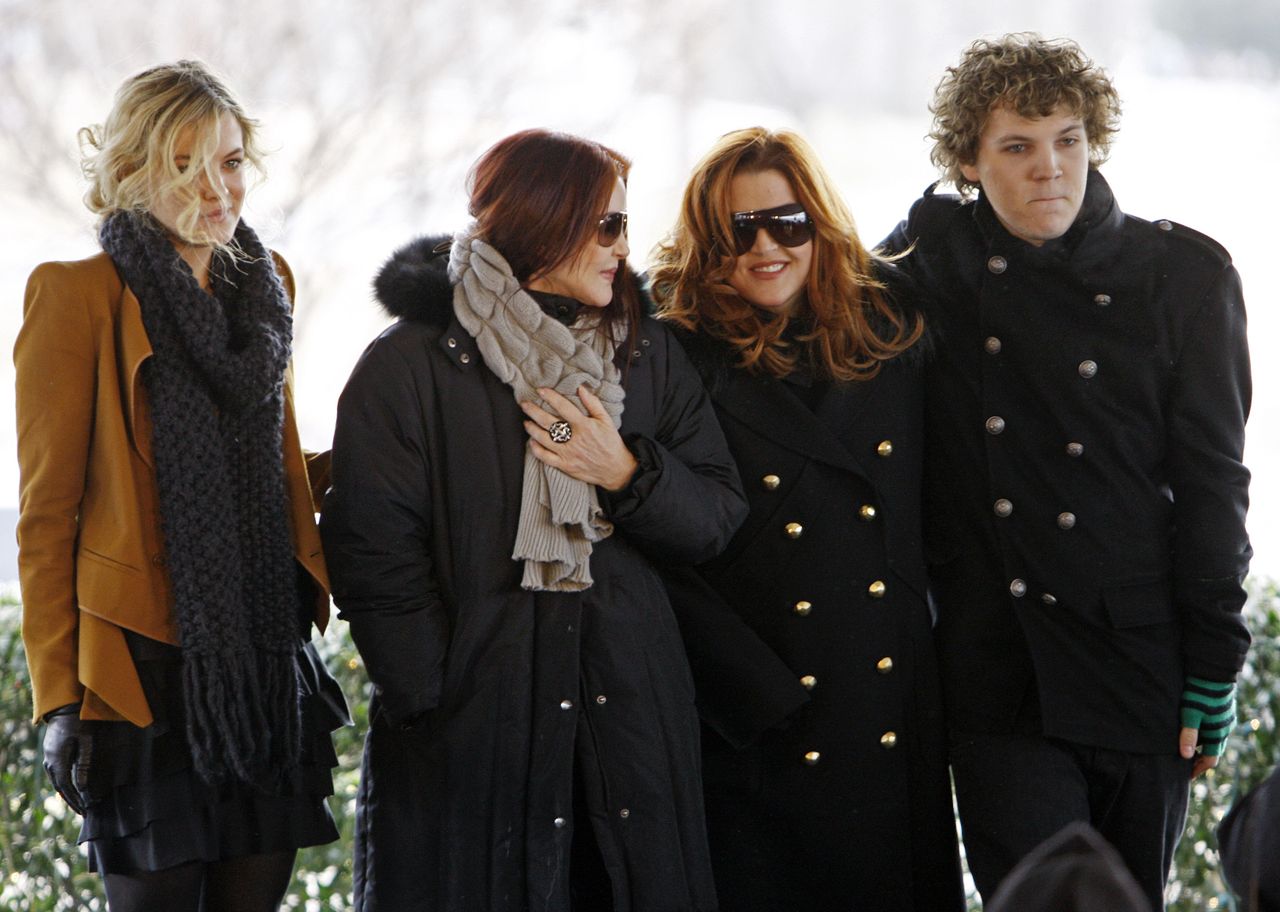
[824, 758]
[1086, 496]
[489, 700]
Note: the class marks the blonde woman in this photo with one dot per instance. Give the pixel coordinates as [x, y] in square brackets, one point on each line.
[824, 762]
[169, 559]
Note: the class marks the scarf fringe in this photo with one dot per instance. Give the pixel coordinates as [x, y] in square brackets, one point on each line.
[229, 733]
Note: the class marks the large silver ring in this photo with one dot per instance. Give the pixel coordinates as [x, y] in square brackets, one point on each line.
[560, 431]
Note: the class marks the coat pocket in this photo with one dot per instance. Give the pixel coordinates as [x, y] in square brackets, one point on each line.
[1139, 604]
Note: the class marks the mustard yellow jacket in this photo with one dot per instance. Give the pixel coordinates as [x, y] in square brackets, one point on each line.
[90, 551]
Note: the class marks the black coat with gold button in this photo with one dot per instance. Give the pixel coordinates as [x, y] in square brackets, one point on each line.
[1085, 496]
[810, 643]
[504, 719]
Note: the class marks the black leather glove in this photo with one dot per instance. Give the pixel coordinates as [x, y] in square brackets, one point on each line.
[68, 753]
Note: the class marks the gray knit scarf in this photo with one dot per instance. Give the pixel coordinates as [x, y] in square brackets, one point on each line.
[560, 516]
[215, 381]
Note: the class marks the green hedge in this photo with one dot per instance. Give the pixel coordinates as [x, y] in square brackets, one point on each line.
[43, 871]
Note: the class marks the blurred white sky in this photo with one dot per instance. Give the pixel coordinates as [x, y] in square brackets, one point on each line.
[376, 109]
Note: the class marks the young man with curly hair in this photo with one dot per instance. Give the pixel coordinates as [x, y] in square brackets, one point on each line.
[1085, 492]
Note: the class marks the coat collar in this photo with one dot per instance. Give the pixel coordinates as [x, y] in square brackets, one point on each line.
[765, 404]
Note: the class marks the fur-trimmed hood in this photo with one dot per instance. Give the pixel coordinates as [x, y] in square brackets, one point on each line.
[414, 283]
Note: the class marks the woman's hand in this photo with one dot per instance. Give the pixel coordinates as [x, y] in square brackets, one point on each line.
[594, 453]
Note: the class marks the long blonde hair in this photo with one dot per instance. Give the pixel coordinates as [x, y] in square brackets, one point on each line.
[854, 327]
[129, 159]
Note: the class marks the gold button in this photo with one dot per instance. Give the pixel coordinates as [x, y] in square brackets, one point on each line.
[1066, 521]
[885, 665]
[794, 530]
[885, 448]
[771, 482]
[889, 740]
[812, 758]
[876, 589]
[808, 682]
[803, 608]
[866, 512]
[1003, 507]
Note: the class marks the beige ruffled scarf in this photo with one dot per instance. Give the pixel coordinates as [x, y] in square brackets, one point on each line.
[560, 516]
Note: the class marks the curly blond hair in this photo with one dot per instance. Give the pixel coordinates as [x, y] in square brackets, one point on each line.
[129, 158]
[854, 327]
[1029, 75]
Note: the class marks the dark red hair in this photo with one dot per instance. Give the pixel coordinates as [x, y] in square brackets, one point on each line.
[537, 197]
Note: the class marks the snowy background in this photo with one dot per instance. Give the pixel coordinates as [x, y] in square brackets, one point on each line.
[373, 112]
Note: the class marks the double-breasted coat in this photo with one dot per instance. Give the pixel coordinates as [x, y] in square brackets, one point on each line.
[91, 557]
[810, 640]
[1086, 495]
[491, 700]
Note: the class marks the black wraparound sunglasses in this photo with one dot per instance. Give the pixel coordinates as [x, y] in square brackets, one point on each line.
[612, 225]
[789, 225]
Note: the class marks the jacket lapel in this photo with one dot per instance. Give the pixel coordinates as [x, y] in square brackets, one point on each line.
[766, 406]
[134, 348]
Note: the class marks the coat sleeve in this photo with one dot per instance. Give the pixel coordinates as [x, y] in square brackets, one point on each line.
[56, 366]
[1208, 405]
[685, 500]
[376, 529]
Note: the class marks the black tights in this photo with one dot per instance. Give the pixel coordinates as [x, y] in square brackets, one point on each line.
[251, 883]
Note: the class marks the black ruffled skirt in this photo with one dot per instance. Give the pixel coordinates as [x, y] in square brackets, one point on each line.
[151, 810]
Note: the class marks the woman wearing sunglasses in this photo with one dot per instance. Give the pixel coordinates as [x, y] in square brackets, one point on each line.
[511, 458]
[824, 760]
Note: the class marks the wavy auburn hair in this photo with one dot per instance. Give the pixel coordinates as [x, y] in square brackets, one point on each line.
[129, 158]
[1030, 76]
[537, 196]
[852, 328]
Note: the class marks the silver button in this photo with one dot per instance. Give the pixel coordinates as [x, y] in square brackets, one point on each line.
[812, 757]
[464, 358]
[644, 341]
[602, 699]
[1075, 449]
[995, 424]
[624, 813]
[1066, 520]
[1017, 588]
[1048, 599]
[1088, 369]
[793, 529]
[1102, 300]
[559, 823]
[566, 704]
[997, 264]
[1003, 507]
[453, 343]
[1164, 225]
[992, 345]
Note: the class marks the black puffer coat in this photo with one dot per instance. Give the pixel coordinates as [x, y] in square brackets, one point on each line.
[470, 807]
[811, 645]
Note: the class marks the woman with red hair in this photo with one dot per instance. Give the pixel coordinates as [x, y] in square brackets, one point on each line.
[511, 459]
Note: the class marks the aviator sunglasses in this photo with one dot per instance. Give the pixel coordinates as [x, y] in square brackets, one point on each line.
[789, 225]
[612, 224]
